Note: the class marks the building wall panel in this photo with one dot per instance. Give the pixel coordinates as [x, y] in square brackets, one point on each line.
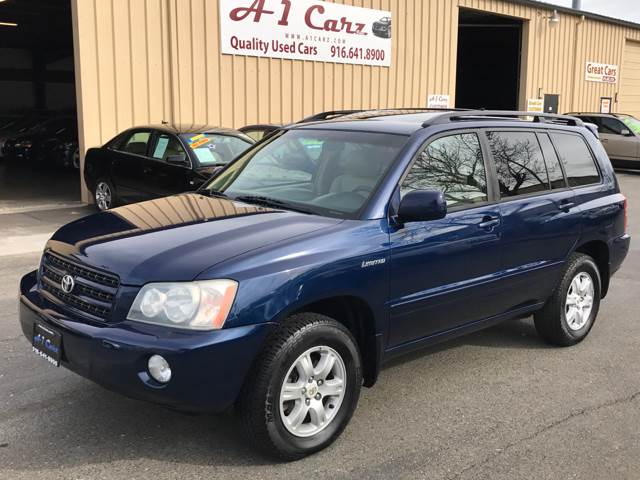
[147, 61]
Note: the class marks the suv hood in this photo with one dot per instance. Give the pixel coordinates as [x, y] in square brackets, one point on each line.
[176, 238]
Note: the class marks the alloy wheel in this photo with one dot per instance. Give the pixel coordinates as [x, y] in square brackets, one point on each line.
[76, 159]
[103, 196]
[579, 302]
[312, 391]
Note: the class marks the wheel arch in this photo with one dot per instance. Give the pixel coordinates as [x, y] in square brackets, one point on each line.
[358, 317]
[599, 251]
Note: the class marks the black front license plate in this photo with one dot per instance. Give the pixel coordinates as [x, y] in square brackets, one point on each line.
[47, 343]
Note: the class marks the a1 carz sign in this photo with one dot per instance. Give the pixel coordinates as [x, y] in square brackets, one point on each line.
[306, 30]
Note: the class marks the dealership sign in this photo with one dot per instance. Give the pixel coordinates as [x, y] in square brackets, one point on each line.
[601, 72]
[306, 30]
[438, 101]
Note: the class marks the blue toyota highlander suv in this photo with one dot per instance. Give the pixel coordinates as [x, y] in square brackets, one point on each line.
[285, 283]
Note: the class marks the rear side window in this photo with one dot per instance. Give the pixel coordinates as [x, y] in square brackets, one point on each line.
[137, 143]
[455, 166]
[576, 158]
[554, 169]
[519, 163]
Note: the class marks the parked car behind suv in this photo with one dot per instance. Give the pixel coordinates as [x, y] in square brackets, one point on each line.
[620, 136]
[157, 160]
[325, 250]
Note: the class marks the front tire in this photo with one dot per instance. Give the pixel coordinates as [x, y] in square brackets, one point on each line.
[105, 195]
[569, 315]
[303, 388]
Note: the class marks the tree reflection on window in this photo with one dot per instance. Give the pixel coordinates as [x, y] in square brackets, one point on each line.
[519, 163]
[453, 165]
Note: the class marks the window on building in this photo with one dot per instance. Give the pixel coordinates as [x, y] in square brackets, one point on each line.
[554, 169]
[453, 165]
[576, 158]
[519, 163]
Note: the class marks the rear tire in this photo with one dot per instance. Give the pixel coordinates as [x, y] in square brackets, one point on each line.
[303, 388]
[569, 314]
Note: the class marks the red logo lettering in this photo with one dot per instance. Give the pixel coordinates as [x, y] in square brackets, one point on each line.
[257, 8]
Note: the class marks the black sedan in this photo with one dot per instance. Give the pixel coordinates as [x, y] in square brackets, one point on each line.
[36, 144]
[158, 160]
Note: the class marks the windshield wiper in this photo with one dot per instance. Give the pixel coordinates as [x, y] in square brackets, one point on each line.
[271, 202]
[212, 193]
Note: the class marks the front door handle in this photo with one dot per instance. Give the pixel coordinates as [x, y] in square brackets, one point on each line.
[567, 205]
[488, 222]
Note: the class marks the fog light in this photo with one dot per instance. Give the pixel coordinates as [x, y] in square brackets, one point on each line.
[159, 369]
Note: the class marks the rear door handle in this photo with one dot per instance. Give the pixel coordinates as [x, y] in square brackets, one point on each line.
[488, 222]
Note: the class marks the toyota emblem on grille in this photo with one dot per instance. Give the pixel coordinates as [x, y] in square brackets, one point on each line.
[67, 284]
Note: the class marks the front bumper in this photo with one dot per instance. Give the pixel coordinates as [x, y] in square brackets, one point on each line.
[208, 368]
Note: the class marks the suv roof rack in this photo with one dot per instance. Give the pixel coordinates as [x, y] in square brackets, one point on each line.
[318, 117]
[333, 114]
[501, 115]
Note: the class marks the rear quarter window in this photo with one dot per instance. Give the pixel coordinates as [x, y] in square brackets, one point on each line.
[576, 158]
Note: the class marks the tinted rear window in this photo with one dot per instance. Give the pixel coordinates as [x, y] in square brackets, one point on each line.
[576, 158]
[519, 163]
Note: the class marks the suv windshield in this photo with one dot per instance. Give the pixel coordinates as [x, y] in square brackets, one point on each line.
[215, 149]
[632, 122]
[326, 172]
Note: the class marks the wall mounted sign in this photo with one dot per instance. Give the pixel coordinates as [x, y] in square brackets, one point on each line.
[306, 30]
[535, 105]
[601, 72]
[438, 101]
[605, 104]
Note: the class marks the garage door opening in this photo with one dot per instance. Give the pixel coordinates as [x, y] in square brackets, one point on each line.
[488, 70]
[38, 126]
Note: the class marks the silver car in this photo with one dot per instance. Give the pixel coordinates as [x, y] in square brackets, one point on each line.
[619, 134]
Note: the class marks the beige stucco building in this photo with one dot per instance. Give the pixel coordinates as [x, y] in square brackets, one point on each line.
[147, 61]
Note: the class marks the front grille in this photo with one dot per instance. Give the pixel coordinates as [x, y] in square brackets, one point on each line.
[94, 291]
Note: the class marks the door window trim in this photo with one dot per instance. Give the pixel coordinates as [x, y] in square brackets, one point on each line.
[490, 179]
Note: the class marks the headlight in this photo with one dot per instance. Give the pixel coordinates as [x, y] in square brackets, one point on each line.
[200, 305]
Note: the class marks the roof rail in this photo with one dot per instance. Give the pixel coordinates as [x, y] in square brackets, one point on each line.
[502, 114]
[328, 115]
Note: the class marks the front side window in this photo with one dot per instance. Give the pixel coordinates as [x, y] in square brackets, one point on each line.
[612, 126]
[576, 158]
[215, 149]
[519, 163]
[327, 172]
[453, 165]
[167, 146]
[137, 143]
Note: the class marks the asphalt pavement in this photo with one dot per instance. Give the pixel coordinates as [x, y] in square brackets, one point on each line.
[498, 404]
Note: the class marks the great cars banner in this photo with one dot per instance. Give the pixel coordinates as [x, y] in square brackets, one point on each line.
[306, 30]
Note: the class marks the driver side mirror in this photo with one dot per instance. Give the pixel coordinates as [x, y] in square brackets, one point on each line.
[422, 206]
[626, 132]
[179, 160]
